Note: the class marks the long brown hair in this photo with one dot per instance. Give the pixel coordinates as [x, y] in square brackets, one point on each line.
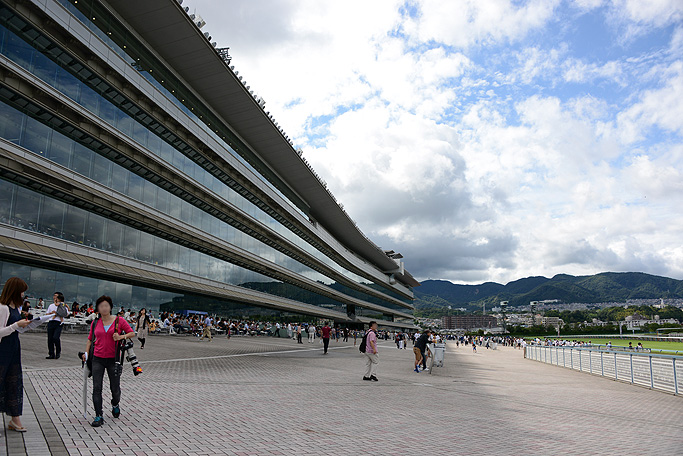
[11, 292]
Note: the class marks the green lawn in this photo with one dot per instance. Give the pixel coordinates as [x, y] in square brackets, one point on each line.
[654, 345]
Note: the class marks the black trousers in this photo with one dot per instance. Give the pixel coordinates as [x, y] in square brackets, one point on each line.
[142, 342]
[298, 338]
[326, 343]
[424, 359]
[54, 332]
[99, 365]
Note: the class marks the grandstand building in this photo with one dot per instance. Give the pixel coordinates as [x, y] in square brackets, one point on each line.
[135, 161]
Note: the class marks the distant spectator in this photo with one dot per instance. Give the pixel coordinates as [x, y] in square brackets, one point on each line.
[54, 327]
[142, 327]
[326, 337]
[419, 350]
[207, 328]
[372, 357]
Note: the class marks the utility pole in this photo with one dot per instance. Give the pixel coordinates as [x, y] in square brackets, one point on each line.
[503, 306]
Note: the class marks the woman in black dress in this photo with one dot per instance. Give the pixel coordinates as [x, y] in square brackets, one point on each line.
[11, 384]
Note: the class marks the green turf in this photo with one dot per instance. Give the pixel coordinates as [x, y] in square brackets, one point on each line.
[655, 345]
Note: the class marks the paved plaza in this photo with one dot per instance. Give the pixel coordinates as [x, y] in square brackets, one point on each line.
[262, 395]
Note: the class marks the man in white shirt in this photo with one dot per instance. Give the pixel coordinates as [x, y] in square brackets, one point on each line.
[207, 329]
[311, 334]
[54, 327]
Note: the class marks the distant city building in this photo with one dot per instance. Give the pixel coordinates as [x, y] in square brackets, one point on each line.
[547, 321]
[468, 321]
[637, 321]
[520, 320]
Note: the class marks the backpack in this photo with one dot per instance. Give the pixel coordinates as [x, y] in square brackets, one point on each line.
[62, 311]
[364, 343]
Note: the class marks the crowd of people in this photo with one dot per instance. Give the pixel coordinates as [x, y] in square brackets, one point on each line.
[109, 329]
[581, 343]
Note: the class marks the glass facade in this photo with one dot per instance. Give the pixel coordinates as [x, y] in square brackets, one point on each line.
[24, 125]
[84, 290]
[116, 37]
[152, 140]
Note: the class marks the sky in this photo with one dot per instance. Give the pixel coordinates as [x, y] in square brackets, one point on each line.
[485, 140]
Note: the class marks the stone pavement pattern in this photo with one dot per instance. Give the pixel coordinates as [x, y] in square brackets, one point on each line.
[254, 396]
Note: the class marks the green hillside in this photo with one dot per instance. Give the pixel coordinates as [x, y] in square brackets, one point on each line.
[603, 287]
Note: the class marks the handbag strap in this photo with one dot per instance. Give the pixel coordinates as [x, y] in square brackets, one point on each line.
[92, 330]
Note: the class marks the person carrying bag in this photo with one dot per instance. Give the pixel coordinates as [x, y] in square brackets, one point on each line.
[11, 380]
[106, 333]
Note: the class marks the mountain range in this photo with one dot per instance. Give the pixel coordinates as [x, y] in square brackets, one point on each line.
[603, 287]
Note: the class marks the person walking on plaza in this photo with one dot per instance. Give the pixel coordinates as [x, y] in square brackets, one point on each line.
[142, 327]
[54, 327]
[207, 329]
[105, 333]
[298, 334]
[371, 355]
[326, 330]
[311, 334]
[11, 380]
[419, 350]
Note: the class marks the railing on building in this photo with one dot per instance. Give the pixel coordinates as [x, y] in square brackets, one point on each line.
[654, 371]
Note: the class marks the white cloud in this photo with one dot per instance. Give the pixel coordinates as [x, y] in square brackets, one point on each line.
[638, 17]
[464, 23]
[658, 13]
[659, 107]
[587, 5]
[580, 71]
[450, 135]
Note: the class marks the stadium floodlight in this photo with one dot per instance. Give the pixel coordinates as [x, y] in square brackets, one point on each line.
[224, 54]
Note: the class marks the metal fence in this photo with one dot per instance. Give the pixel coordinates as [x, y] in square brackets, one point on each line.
[658, 372]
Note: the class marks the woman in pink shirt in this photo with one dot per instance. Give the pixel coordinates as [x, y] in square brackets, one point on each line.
[106, 331]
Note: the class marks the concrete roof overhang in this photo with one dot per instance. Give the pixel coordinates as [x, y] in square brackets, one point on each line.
[168, 30]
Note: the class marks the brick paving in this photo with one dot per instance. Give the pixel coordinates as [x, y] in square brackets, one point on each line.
[256, 396]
